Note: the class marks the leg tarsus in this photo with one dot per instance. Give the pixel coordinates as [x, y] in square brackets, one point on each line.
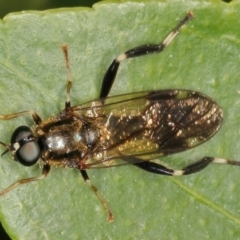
[95, 190]
[34, 115]
[45, 171]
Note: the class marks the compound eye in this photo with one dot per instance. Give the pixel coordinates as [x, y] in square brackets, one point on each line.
[20, 133]
[29, 152]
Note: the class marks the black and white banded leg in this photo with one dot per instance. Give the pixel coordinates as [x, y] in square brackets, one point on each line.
[189, 169]
[136, 52]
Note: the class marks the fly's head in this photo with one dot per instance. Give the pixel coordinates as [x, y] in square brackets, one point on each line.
[23, 146]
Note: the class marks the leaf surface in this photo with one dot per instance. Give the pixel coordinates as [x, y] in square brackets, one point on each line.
[204, 57]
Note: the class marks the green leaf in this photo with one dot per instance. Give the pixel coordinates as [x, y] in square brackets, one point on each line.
[204, 57]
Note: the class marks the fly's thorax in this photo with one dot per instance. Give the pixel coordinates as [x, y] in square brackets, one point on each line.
[67, 139]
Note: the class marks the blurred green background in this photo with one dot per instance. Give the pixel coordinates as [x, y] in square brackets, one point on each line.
[9, 6]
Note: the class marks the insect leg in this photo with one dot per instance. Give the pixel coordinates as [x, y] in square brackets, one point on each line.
[192, 168]
[86, 178]
[45, 171]
[155, 168]
[69, 78]
[34, 115]
[202, 163]
[136, 52]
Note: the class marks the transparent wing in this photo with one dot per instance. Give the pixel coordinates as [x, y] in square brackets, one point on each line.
[147, 125]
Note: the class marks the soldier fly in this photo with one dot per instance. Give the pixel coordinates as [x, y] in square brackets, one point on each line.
[134, 128]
